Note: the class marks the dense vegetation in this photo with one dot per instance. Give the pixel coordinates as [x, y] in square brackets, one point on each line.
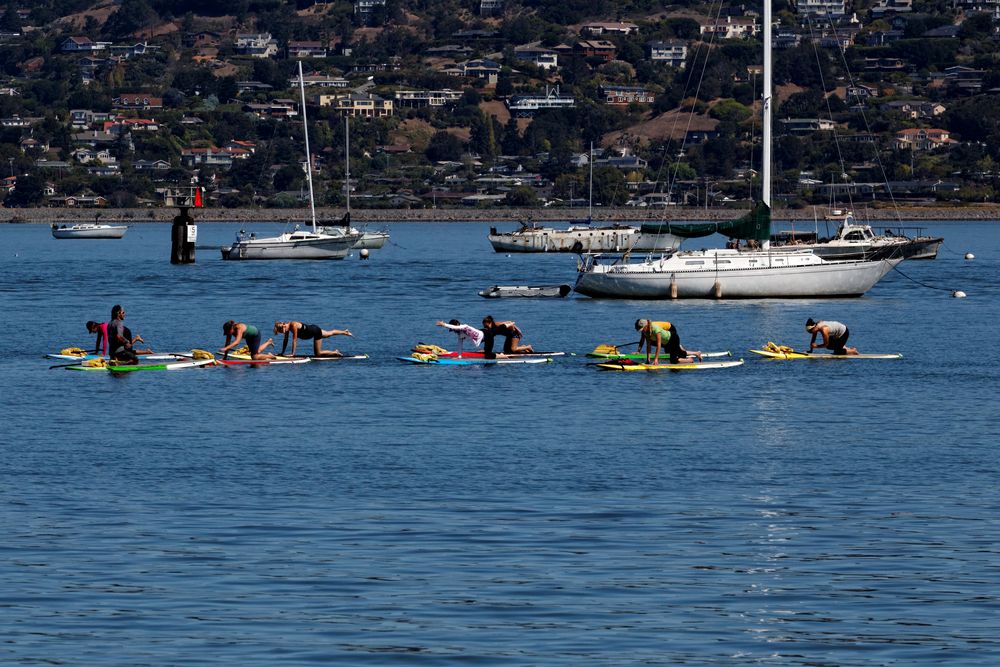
[417, 155]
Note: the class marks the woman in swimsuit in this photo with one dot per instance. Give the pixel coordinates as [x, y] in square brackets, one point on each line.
[251, 334]
[511, 337]
[313, 332]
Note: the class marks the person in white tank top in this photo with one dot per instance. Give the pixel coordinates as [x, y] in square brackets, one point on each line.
[835, 335]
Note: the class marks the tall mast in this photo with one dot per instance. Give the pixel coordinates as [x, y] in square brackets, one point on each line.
[309, 167]
[766, 120]
[347, 161]
[590, 197]
[765, 172]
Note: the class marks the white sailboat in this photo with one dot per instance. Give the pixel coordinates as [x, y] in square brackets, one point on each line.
[733, 273]
[297, 244]
[88, 230]
[582, 237]
[366, 239]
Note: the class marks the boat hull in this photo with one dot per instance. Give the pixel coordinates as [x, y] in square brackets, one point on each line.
[528, 291]
[89, 232]
[773, 277]
[601, 239]
[262, 249]
[372, 241]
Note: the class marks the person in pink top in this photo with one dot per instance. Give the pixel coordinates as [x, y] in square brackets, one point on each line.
[101, 329]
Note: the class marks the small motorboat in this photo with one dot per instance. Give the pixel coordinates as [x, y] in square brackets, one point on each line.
[501, 291]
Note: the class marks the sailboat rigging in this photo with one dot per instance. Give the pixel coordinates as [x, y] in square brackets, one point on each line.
[297, 244]
[730, 272]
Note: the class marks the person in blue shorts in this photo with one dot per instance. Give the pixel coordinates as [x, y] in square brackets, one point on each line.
[237, 332]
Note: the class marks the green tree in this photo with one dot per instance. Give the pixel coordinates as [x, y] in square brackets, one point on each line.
[131, 16]
[27, 192]
[522, 195]
[444, 146]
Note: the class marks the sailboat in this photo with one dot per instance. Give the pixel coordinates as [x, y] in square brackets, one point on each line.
[582, 236]
[366, 239]
[297, 244]
[731, 272]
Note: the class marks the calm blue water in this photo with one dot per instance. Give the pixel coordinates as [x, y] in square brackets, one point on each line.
[378, 513]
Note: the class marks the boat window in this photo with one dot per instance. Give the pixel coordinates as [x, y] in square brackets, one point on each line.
[853, 236]
[723, 261]
[698, 262]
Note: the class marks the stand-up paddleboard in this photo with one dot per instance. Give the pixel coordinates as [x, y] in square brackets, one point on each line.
[171, 366]
[482, 355]
[242, 360]
[627, 365]
[326, 357]
[642, 355]
[769, 354]
[165, 356]
[477, 361]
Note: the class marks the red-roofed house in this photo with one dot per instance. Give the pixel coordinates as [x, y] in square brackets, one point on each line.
[138, 101]
[922, 139]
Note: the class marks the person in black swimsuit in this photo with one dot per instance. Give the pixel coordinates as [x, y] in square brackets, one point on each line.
[299, 331]
[511, 334]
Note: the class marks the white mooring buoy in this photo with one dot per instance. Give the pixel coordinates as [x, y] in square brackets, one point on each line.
[969, 255]
[363, 254]
[958, 294]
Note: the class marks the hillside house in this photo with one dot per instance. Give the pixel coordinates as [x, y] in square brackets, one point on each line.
[671, 52]
[738, 27]
[426, 98]
[357, 105]
[609, 28]
[256, 45]
[625, 95]
[138, 101]
[306, 49]
[821, 8]
[82, 45]
[596, 48]
[525, 106]
[538, 55]
[806, 126]
[922, 139]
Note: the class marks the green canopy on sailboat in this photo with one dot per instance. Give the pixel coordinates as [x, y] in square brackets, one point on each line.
[754, 225]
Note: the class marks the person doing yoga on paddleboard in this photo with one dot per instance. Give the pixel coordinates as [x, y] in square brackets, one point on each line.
[313, 332]
[101, 329]
[835, 335]
[465, 332]
[512, 337]
[663, 335]
[238, 332]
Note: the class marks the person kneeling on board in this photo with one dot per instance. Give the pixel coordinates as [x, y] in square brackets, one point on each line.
[465, 332]
[120, 340]
[251, 334]
[311, 332]
[512, 337]
[101, 329]
[835, 335]
[663, 335]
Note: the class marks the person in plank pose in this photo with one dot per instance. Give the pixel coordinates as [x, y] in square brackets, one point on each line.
[240, 331]
[663, 335]
[299, 331]
[512, 337]
[101, 329]
[465, 332]
[834, 334]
